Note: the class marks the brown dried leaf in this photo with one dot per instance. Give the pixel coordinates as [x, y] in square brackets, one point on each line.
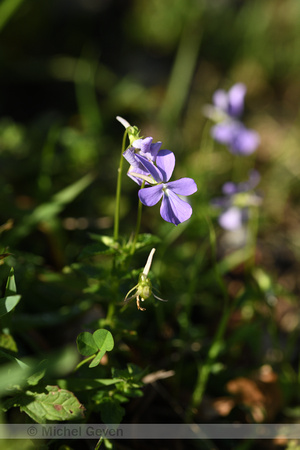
[261, 394]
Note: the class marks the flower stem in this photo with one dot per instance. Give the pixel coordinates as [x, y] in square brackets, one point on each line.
[138, 223]
[118, 190]
[252, 238]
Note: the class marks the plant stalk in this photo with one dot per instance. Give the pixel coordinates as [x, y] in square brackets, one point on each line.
[118, 190]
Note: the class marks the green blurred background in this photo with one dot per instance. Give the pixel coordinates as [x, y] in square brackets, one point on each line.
[68, 68]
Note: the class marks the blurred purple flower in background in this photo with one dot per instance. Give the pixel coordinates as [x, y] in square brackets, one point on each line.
[231, 103]
[239, 139]
[229, 130]
[237, 201]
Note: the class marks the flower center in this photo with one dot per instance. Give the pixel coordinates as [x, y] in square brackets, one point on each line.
[165, 188]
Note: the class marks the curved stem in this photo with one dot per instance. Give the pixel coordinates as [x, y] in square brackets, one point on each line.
[84, 361]
[118, 190]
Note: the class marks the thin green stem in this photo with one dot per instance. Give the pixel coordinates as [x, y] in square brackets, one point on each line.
[252, 238]
[204, 370]
[118, 190]
[110, 312]
[84, 361]
[138, 223]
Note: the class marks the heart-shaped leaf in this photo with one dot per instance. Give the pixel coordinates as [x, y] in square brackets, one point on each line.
[86, 344]
[104, 340]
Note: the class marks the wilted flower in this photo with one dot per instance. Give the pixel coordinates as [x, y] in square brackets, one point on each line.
[144, 286]
[133, 132]
[236, 202]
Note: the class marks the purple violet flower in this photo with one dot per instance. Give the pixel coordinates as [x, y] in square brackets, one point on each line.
[237, 201]
[173, 209]
[145, 148]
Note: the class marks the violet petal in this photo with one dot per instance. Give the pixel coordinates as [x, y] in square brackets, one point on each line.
[150, 168]
[183, 186]
[151, 195]
[165, 161]
[142, 171]
[173, 209]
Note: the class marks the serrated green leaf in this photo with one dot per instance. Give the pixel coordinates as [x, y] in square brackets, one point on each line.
[103, 340]
[54, 404]
[86, 344]
[8, 303]
[147, 239]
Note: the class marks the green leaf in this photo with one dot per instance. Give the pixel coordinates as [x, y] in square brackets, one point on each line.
[10, 300]
[54, 404]
[147, 239]
[132, 372]
[7, 10]
[104, 339]
[105, 245]
[86, 344]
[111, 411]
[36, 377]
[97, 358]
[105, 343]
[17, 372]
[11, 288]
[20, 363]
[84, 384]
[47, 211]
[8, 303]
[95, 249]
[108, 241]
[7, 342]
